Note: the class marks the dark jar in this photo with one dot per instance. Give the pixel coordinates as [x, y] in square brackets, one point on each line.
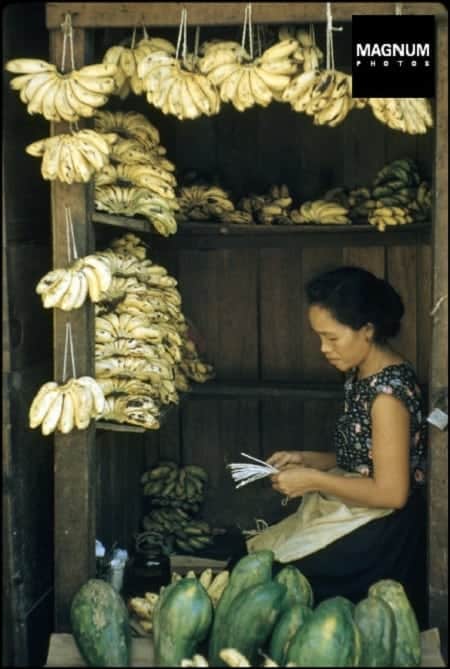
[146, 573]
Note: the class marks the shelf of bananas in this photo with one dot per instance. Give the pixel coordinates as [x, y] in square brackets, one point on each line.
[409, 115]
[127, 59]
[73, 158]
[396, 196]
[66, 407]
[138, 180]
[321, 211]
[177, 86]
[169, 485]
[144, 355]
[272, 207]
[201, 202]
[61, 97]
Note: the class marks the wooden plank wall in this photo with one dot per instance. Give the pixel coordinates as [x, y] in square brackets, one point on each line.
[248, 303]
[27, 456]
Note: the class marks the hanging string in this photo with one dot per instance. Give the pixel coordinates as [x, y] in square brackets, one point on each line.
[68, 344]
[329, 38]
[197, 41]
[66, 27]
[182, 35]
[258, 39]
[312, 34]
[72, 253]
[398, 8]
[144, 31]
[133, 38]
[247, 24]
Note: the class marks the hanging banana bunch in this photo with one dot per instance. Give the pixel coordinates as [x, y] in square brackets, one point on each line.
[243, 80]
[409, 115]
[175, 86]
[127, 59]
[73, 158]
[67, 407]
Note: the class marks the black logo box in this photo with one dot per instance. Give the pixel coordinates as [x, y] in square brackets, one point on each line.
[393, 76]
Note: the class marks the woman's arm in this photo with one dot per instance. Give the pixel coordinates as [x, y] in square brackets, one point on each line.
[389, 487]
[322, 460]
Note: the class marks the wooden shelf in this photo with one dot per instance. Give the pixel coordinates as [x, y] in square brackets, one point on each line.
[216, 235]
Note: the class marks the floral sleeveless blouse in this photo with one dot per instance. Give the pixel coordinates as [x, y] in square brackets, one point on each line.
[354, 428]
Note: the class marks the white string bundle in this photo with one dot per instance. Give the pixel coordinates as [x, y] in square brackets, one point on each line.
[243, 472]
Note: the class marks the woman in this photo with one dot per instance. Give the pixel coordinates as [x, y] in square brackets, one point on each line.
[381, 436]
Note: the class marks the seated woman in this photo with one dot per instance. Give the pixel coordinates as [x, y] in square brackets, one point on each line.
[381, 436]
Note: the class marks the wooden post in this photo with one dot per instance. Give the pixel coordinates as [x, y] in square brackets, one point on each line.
[74, 455]
[438, 443]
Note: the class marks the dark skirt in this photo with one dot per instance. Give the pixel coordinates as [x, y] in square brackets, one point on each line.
[391, 547]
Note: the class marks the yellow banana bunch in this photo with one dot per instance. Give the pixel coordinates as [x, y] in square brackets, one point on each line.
[203, 203]
[68, 288]
[409, 115]
[130, 244]
[128, 125]
[177, 88]
[142, 608]
[325, 95]
[141, 175]
[73, 158]
[66, 407]
[131, 201]
[321, 211]
[307, 53]
[381, 217]
[131, 409]
[61, 97]
[245, 82]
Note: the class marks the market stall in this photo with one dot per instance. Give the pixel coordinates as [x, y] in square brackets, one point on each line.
[241, 280]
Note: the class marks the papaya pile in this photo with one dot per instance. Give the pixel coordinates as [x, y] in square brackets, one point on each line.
[255, 620]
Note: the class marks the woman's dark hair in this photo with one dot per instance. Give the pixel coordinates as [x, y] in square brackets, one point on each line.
[356, 297]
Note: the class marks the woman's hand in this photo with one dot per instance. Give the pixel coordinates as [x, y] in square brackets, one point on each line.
[280, 459]
[294, 480]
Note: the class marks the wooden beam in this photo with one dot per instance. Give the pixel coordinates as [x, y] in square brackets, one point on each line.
[74, 454]
[438, 441]
[152, 14]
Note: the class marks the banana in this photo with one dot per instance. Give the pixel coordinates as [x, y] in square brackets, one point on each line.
[201, 101]
[53, 296]
[300, 85]
[34, 83]
[66, 167]
[222, 72]
[53, 414]
[48, 106]
[102, 270]
[49, 280]
[66, 420]
[92, 282]
[190, 109]
[83, 291]
[173, 99]
[72, 294]
[62, 105]
[87, 97]
[79, 108]
[102, 86]
[281, 50]
[260, 91]
[83, 169]
[96, 392]
[29, 66]
[243, 98]
[98, 70]
[35, 106]
[83, 404]
[276, 82]
[41, 403]
[127, 62]
[229, 85]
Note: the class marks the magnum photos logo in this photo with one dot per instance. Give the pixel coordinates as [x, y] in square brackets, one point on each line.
[393, 56]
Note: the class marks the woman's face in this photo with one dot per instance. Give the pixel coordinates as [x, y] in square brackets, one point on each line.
[343, 347]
